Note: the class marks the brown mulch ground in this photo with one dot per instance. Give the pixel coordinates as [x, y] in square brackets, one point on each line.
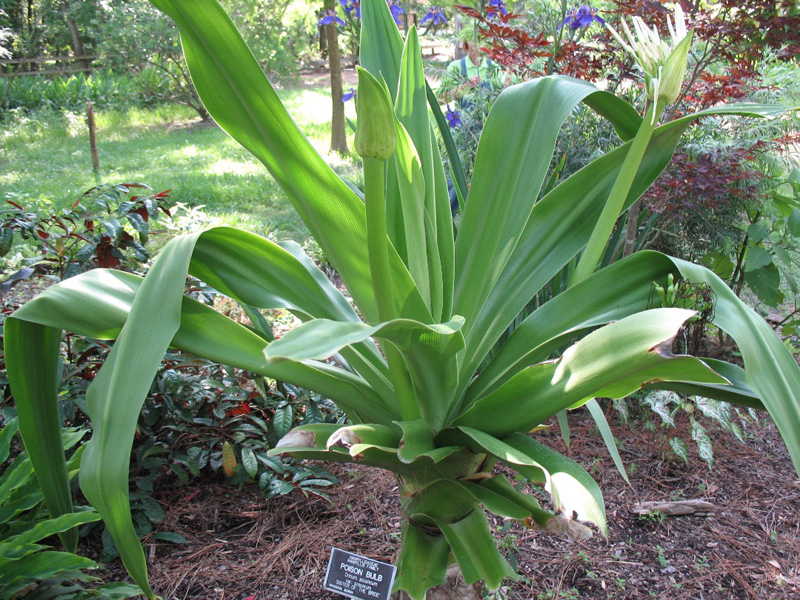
[749, 547]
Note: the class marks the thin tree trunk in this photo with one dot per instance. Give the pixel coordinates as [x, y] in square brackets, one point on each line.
[338, 133]
[77, 44]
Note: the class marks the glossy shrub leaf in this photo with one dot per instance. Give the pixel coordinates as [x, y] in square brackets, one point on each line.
[249, 461]
[229, 461]
[282, 421]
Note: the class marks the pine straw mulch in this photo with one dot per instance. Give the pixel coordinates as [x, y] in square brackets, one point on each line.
[748, 547]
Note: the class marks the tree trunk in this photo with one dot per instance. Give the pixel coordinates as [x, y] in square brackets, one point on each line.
[452, 589]
[77, 45]
[338, 133]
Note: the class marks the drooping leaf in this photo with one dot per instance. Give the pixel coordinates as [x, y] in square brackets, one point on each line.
[590, 369]
[422, 562]
[608, 437]
[474, 548]
[769, 369]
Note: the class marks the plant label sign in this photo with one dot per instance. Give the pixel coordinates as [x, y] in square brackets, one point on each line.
[359, 577]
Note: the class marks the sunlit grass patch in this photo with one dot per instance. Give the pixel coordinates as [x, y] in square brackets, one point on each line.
[46, 156]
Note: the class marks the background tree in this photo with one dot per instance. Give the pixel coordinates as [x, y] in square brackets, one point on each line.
[52, 27]
[328, 28]
[136, 37]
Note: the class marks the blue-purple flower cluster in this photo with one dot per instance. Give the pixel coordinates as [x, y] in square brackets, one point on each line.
[353, 8]
[396, 9]
[497, 6]
[453, 117]
[351, 95]
[583, 16]
[435, 16]
[330, 18]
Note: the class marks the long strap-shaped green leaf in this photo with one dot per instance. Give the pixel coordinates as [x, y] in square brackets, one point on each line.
[770, 369]
[381, 44]
[613, 293]
[257, 272]
[561, 223]
[116, 396]
[412, 104]
[613, 361]
[240, 98]
[510, 167]
[27, 345]
[429, 351]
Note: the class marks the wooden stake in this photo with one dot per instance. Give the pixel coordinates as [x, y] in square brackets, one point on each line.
[93, 140]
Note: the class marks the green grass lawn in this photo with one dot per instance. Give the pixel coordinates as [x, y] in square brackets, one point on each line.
[45, 160]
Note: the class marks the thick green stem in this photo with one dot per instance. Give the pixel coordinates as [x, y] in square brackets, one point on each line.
[616, 199]
[378, 245]
[375, 199]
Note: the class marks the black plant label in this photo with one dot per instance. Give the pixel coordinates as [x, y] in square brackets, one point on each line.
[358, 577]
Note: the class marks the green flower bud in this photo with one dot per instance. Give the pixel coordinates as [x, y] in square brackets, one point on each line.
[674, 70]
[375, 133]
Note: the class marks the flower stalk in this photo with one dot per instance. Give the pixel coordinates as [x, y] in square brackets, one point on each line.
[664, 65]
[375, 142]
[616, 199]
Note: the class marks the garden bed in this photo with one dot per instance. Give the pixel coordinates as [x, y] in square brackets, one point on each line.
[748, 546]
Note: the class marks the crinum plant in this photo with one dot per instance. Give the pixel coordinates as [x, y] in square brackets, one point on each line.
[413, 359]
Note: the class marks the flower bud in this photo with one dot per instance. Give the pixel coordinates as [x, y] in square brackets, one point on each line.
[673, 71]
[375, 133]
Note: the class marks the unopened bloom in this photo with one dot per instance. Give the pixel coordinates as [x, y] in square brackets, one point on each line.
[663, 62]
[375, 132]
[330, 18]
[434, 14]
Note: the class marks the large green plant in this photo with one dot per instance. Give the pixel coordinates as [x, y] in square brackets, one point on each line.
[428, 309]
[28, 567]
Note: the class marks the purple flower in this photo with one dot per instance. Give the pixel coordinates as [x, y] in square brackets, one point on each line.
[434, 14]
[583, 16]
[396, 9]
[349, 95]
[350, 6]
[453, 117]
[330, 18]
[496, 6]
